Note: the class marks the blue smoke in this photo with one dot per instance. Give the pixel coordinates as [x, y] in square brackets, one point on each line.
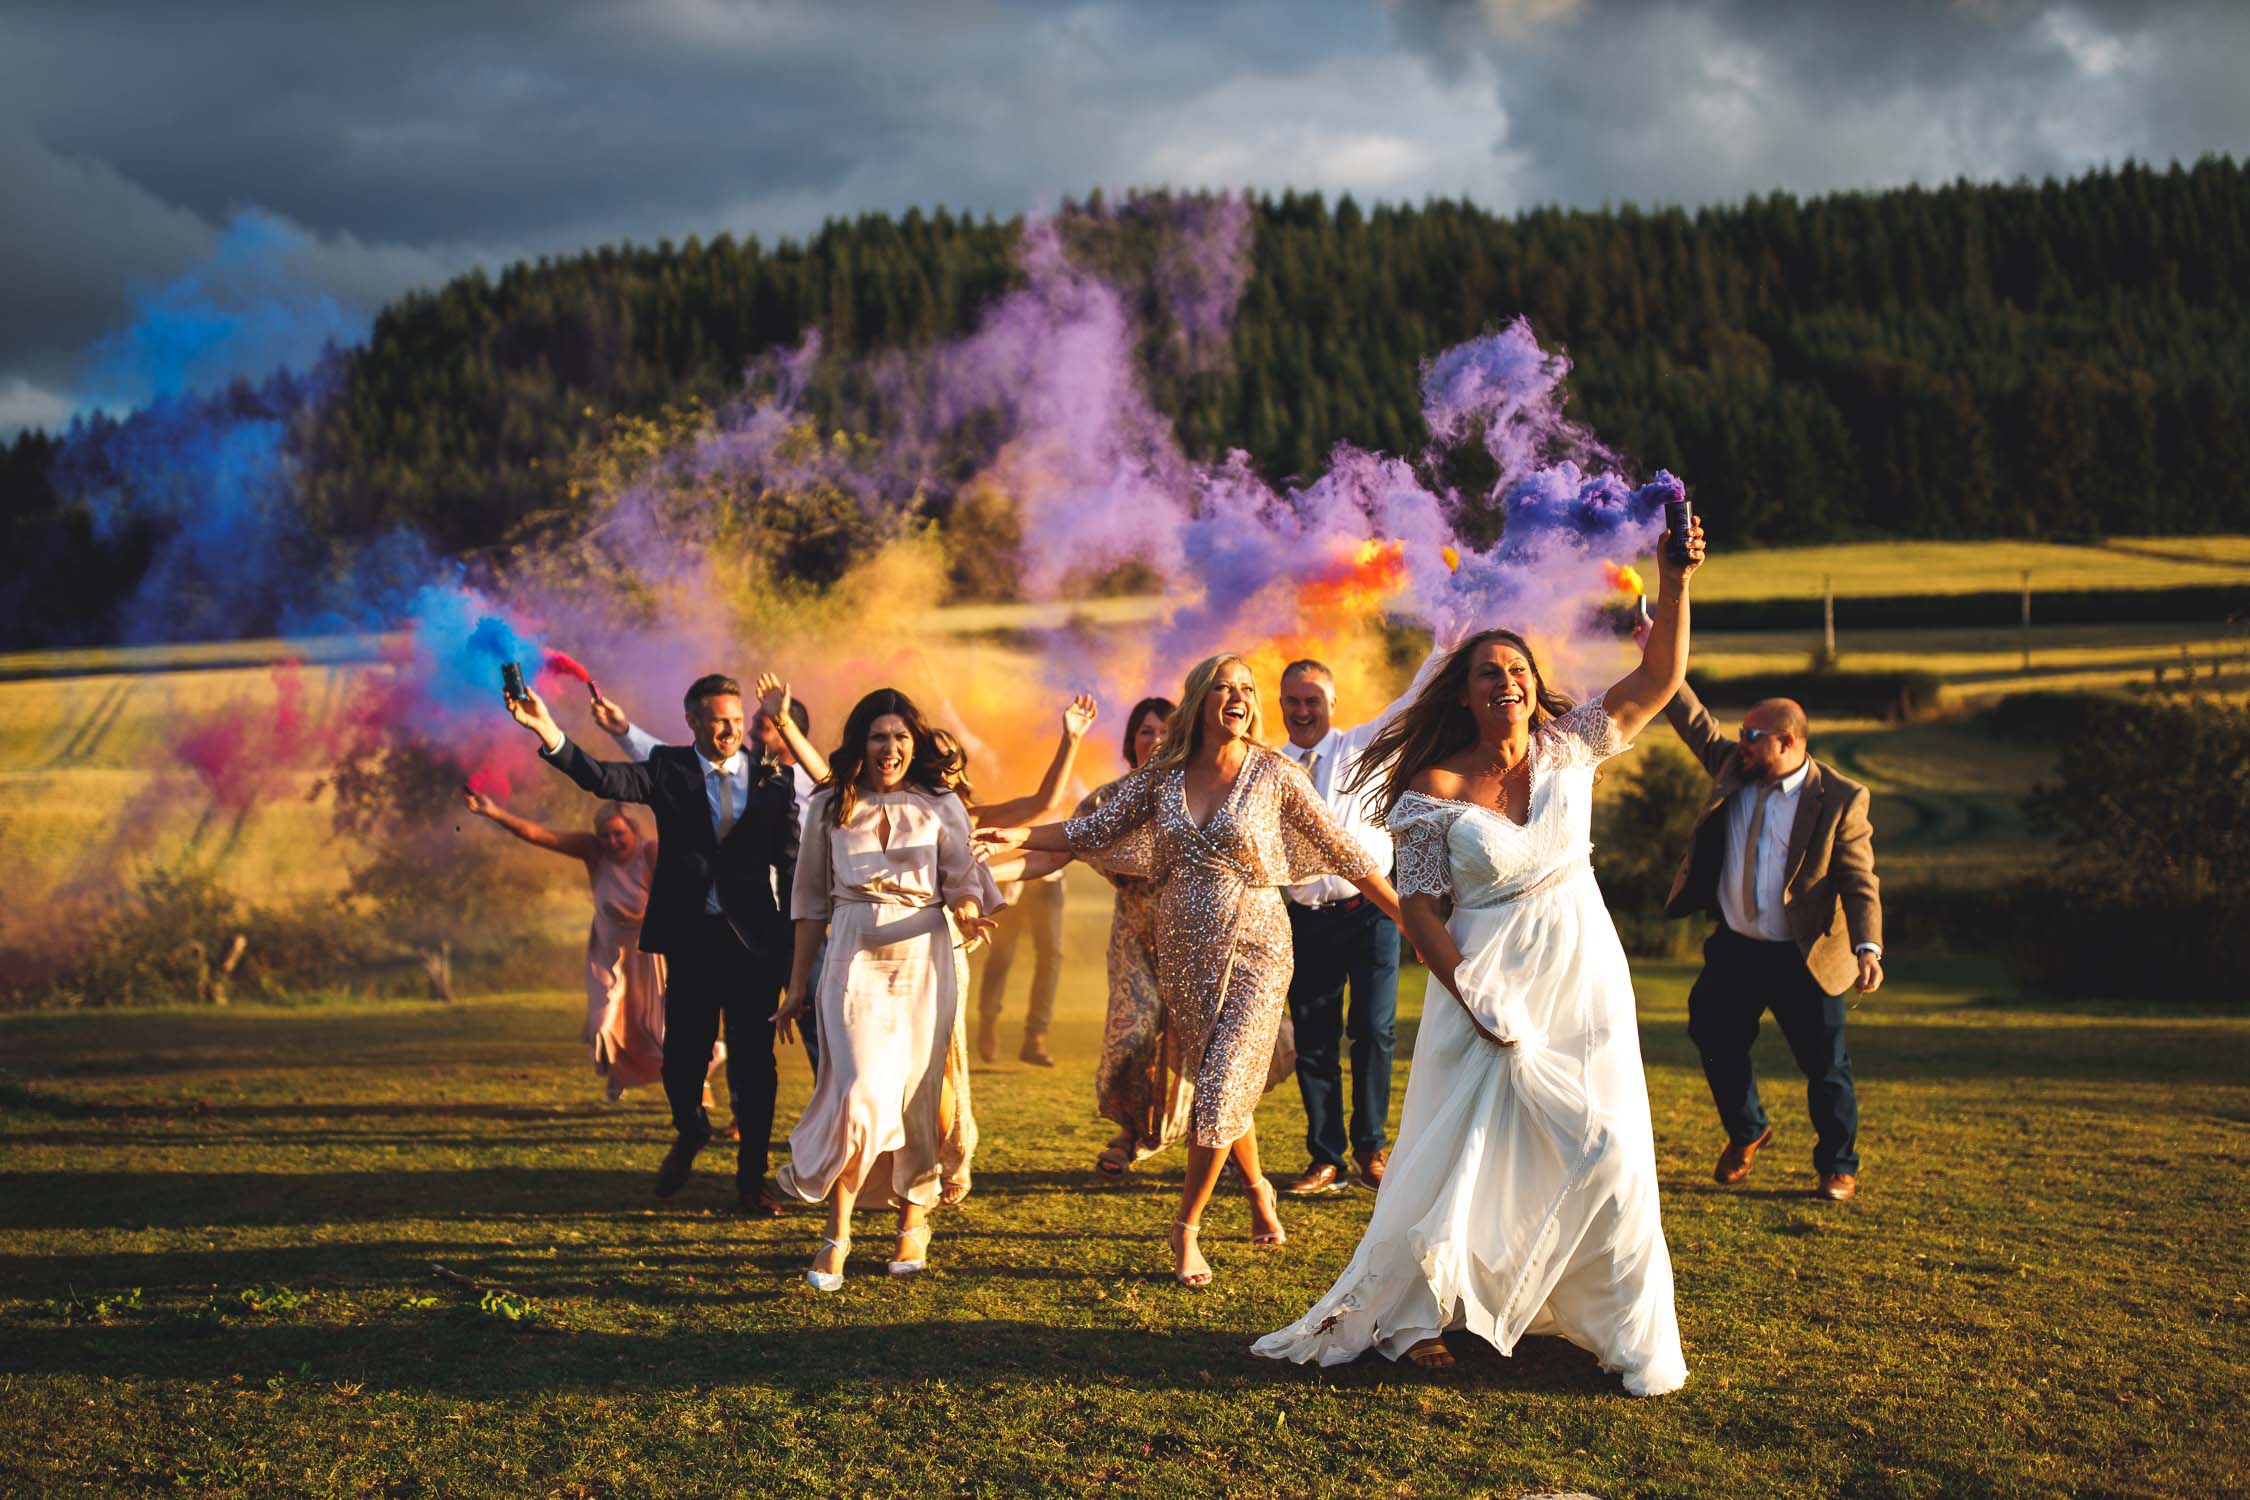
[201, 473]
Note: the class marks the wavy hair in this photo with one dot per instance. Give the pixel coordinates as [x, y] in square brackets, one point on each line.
[1183, 736]
[925, 766]
[1437, 724]
[1163, 708]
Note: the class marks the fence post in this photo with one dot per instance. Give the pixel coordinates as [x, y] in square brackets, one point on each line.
[2027, 619]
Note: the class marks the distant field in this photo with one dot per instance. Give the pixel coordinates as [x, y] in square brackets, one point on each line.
[1875, 569]
[1984, 662]
[87, 775]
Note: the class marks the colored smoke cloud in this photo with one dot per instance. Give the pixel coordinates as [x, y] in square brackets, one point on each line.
[1043, 408]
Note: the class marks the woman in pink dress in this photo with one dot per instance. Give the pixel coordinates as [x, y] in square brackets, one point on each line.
[624, 986]
[888, 878]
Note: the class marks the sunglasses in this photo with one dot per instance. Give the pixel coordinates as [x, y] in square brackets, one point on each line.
[1752, 736]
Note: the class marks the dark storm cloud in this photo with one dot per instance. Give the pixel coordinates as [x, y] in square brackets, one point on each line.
[411, 140]
[1691, 103]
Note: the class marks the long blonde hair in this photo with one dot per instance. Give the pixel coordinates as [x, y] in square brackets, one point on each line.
[1183, 733]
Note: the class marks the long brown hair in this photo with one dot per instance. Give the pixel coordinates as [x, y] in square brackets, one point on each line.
[1183, 734]
[1163, 708]
[1437, 724]
[924, 766]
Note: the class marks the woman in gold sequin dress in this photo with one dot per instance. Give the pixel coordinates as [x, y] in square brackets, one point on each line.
[1223, 823]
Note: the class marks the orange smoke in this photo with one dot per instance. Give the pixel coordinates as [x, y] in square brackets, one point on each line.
[1624, 580]
[1358, 587]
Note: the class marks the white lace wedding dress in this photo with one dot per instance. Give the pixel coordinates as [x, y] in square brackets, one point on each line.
[1522, 1195]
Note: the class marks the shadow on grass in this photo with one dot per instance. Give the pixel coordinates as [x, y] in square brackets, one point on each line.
[451, 1352]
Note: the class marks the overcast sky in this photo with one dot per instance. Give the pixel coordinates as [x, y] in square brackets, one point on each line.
[397, 144]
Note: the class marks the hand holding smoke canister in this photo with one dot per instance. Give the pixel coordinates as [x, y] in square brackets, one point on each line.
[1679, 517]
[511, 682]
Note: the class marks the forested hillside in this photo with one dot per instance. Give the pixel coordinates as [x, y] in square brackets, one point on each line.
[2028, 360]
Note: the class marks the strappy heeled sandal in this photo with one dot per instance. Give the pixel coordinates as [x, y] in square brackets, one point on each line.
[1114, 1162]
[1188, 1233]
[828, 1281]
[1267, 1239]
[914, 1265]
[1431, 1356]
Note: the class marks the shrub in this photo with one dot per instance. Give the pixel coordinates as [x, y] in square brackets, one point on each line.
[1640, 834]
[2052, 718]
[2151, 897]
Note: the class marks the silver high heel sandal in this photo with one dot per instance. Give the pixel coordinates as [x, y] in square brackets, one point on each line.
[829, 1281]
[915, 1266]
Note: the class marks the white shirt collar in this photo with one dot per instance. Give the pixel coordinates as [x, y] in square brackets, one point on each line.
[1789, 785]
[731, 766]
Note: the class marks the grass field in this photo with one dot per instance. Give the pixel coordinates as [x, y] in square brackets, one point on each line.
[219, 1233]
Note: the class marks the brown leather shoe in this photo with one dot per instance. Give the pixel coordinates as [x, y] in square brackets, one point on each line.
[1837, 1187]
[754, 1203]
[988, 1039]
[1734, 1162]
[1371, 1164]
[678, 1165]
[1320, 1177]
[1034, 1051]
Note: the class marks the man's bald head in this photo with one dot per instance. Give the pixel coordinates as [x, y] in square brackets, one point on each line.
[1773, 739]
[1785, 715]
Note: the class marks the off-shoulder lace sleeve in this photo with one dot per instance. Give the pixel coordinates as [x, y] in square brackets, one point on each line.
[1420, 824]
[1587, 735]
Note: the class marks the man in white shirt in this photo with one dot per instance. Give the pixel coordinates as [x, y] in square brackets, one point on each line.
[1784, 856]
[1341, 941]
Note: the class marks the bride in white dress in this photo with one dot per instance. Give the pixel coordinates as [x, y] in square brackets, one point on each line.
[1521, 1197]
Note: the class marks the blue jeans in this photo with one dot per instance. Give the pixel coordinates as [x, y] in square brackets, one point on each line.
[1336, 948]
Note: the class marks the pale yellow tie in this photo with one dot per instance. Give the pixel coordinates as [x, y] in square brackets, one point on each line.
[1311, 763]
[1750, 854]
[726, 804]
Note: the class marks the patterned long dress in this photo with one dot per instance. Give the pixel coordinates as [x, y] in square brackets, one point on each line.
[1222, 948]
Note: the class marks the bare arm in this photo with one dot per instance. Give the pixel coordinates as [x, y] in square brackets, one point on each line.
[1635, 698]
[1378, 890]
[1423, 919]
[1054, 787]
[1021, 866]
[773, 698]
[538, 835]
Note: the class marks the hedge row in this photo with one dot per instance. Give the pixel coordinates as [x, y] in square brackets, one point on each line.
[2185, 605]
[1835, 695]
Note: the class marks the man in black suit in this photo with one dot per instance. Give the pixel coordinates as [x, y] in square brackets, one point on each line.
[726, 821]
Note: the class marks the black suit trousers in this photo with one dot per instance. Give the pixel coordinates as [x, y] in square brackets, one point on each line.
[709, 979]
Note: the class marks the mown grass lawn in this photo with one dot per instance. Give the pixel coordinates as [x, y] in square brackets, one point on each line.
[217, 1233]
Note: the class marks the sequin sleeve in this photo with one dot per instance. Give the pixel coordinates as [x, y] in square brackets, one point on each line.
[1420, 825]
[1117, 834]
[1587, 735]
[1086, 805]
[1313, 842]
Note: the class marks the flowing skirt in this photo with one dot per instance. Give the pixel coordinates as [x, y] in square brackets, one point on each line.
[625, 1008]
[890, 1041]
[1521, 1197]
